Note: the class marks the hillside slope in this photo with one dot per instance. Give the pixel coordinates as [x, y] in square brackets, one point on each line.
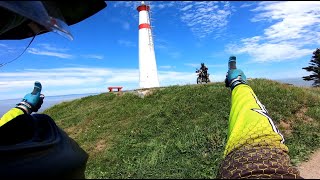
[179, 131]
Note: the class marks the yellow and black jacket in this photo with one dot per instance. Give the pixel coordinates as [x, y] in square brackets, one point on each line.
[255, 148]
[10, 115]
[33, 146]
[15, 126]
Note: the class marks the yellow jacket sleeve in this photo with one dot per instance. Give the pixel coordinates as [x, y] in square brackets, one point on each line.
[11, 114]
[250, 123]
[255, 146]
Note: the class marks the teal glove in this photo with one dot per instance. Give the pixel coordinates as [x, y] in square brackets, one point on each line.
[234, 76]
[32, 101]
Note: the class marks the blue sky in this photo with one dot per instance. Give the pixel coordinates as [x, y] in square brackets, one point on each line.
[271, 40]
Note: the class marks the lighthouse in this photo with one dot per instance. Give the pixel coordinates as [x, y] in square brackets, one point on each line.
[148, 74]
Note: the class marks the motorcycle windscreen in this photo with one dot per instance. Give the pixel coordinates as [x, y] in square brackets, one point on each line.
[55, 16]
[35, 12]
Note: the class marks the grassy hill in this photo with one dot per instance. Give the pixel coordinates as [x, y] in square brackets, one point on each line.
[179, 131]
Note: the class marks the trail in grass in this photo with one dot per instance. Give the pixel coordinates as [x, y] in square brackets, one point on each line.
[311, 168]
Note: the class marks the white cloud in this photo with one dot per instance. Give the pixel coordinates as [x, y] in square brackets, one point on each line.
[3, 45]
[204, 18]
[245, 5]
[186, 7]
[159, 5]
[294, 28]
[129, 8]
[126, 25]
[198, 65]
[294, 19]
[127, 43]
[11, 51]
[167, 48]
[175, 55]
[167, 67]
[167, 78]
[48, 53]
[56, 80]
[263, 52]
[271, 74]
[124, 76]
[93, 56]
[51, 50]
[77, 80]
[51, 47]
[160, 46]
[192, 65]
[217, 65]
[132, 4]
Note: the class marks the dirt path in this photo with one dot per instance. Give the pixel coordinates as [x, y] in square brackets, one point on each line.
[311, 168]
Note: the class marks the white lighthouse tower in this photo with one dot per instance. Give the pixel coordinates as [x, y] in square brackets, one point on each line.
[148, 74]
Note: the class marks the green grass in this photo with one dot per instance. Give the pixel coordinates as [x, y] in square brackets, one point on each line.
[179, 131]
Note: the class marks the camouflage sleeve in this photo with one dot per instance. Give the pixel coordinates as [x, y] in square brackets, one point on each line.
[11, 114]
[255, 148]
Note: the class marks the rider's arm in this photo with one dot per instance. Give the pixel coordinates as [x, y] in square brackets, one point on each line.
[250, 122]
[254, 147]
[11, 114]
[17, 125]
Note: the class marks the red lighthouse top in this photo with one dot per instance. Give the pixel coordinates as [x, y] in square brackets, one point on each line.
[143, 8]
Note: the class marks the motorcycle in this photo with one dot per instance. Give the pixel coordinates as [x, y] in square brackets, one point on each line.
[201, 77]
